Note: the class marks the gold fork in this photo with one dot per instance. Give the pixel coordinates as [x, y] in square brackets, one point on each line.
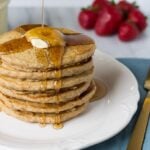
[137, 137]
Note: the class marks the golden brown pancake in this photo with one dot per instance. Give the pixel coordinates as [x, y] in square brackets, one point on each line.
[18, 49]
[65, 95]
[46, 118]
[46, 73]
[29, 85]
[19, 104]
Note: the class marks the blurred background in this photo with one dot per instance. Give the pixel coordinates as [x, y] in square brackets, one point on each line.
[69, 3]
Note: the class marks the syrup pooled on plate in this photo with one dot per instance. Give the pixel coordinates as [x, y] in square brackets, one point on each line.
[101, 91]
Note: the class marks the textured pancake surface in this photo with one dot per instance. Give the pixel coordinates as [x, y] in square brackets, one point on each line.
[43, 75]
[45, 85]
[28, 85]
[65, 95]
[79, 48]
[22, 105]
[47, 117]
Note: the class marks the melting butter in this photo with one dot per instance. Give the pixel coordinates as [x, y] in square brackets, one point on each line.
[45, 37]
[38, 43]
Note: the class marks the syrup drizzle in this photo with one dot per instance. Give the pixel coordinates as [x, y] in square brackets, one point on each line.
[101, 91]
[43, 13]
[42, 57]
[21, 44]
[56, 56]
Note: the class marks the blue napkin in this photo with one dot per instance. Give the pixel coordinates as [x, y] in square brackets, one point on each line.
[139, 67]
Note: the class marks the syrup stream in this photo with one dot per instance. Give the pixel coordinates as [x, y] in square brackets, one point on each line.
[42, 13]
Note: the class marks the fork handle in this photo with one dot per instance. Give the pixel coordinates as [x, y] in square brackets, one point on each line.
[137, 138]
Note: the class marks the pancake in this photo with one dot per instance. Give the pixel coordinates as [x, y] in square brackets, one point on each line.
[29, 59]
[46, 73]
[46, 118]
[28, 85]
[78, 48]
[69, 71]
[5, 37]
[22, 105]
[48, 96]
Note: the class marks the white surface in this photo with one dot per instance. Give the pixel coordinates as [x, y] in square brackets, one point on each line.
[49, 3]
[102, 120]
[144, 4]
[64, 3]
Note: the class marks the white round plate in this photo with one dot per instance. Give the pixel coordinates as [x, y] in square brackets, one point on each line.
[103, 119]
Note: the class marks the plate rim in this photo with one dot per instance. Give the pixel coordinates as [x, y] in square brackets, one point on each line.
[136, 106]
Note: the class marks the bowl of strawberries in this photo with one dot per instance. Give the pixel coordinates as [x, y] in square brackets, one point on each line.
[107, 18]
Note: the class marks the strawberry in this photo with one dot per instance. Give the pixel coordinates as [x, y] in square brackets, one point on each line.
[138, 18]
[128, 31]
[125, 6]
[108, 21]
[100, 4]
[87, 18]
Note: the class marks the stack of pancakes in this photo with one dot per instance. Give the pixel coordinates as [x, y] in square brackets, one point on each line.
[49, 85]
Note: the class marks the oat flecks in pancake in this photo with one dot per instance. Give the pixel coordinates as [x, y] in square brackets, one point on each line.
[27, 60]
[47, 96]
[43, 75]
[22, 105]
[25, 85]
[36, 117]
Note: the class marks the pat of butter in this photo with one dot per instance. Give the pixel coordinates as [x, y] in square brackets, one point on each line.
[44, 37]
[38, 43]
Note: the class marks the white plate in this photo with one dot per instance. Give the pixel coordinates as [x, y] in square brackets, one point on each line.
[102, 120]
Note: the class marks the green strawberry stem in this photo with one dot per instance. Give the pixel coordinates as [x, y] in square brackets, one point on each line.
[113, 2]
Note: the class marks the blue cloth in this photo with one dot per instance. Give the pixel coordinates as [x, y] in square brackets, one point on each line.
[139, 67]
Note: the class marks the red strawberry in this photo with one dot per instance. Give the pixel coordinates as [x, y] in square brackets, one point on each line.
[138, 18]
[128, 31]
[108, 20]
[125, 6]
[101, 3]
[87, 18]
